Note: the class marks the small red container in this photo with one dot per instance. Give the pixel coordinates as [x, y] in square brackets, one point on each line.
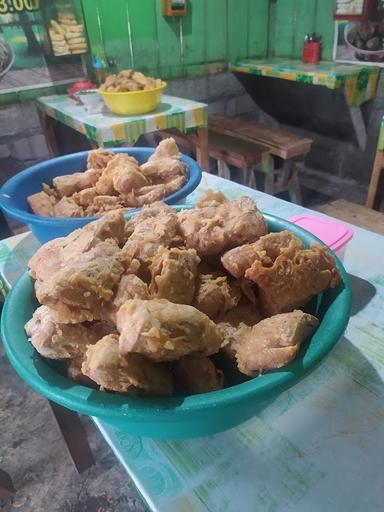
[311, 52]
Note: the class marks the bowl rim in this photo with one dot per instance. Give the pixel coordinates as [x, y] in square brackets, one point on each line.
[117, 93]
[94, 403]
[26, 217]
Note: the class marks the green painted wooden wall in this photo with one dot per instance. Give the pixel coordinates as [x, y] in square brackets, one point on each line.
[135, 34]
[290, 20]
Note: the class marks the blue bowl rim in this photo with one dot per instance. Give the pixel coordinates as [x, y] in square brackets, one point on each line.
[116, 406]
[195, 174]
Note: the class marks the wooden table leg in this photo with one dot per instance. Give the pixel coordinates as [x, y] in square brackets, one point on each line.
[202, 153]
[372, 199]
[48, 129]
[6, 485]
[74, 436]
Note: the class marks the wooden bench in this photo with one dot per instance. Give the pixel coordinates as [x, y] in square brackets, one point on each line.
[354, 214]
[287, 146]
[227, 151]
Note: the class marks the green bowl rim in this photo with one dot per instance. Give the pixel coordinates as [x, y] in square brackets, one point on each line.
[74, 396]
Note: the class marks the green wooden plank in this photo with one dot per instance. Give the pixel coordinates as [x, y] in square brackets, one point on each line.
[285, 16]
[257, 28]
[195, 33]
[91, 10]
[168, 34]
[305, 23]
[325, 26]
[237, 23]
[216, 40]
[114, 22]
[145, 43]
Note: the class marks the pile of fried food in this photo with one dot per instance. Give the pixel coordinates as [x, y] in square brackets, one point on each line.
[176, 303]
[129, 80]
[112, 181]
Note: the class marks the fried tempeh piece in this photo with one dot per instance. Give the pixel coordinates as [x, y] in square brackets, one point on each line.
[238, 260]
[55, 340]
[162, 170]
[274, 342]
[81, 290]
[133, 374]
[196, 375]
[98, 158]
[42, 204]
[213, 229]
[294, 278]
[164, 331]
[215, 295]
[54, 254]
[167, 148]
[211, 198]
[173, 274]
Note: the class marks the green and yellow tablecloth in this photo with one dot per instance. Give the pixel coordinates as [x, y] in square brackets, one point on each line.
[107, 129]
[358, 82]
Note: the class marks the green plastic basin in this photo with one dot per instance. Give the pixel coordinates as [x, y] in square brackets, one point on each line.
[171, 418]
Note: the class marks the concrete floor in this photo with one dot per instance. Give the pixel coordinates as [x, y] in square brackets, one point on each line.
[34, 454]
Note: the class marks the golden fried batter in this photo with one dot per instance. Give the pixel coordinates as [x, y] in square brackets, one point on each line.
[98, 158]
[238, 260]
[81, 290]
[53, 255]
[198, 375]
[211, 198]
[164, 331]
[215, 294]
[55, 340]
[214, 229]
[42, 203]
[133, 374]
[294, 278]
[173, 274]
[274, 342]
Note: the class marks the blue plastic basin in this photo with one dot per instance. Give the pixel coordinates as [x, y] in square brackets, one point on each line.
[14, 193]
[191, 416]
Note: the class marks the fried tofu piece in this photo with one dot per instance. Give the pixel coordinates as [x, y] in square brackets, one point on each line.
[274, 342]
[167, 148]
[235, 323]
[51, 256]
[42, 204]
[154, 227]
[238, 260]
[127, 178]
[74, 372]
[103, 204]
[105, 184]
[85, 197]
[130, 287]
[132, 374]
[67, 207]
[81, 290]
[99, 158]
[57, 341]
[66, 185]
[152, 193]
[162, 170]
[214, 229]
[196, 375]
[163, 331]
[173, 274]
[294, 277]
[211, 198]
[215, 295]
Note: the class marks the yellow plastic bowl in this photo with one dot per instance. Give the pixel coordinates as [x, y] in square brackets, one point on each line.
[133, 102]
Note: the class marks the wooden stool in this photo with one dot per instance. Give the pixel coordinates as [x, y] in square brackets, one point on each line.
[354, 214]
[286, 146]
[376, 189]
